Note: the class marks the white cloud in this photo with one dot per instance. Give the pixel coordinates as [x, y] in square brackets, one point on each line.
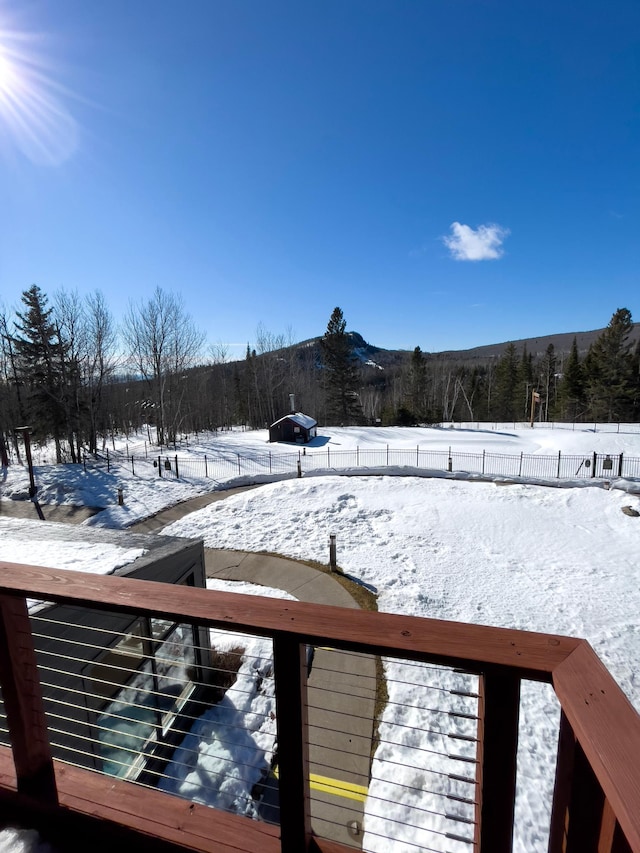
[483, 244]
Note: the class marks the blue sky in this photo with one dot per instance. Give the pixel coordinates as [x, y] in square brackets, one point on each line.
[450, 173]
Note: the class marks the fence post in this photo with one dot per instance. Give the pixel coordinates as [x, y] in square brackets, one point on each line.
[558, 465]
[332, 552]
[520, 468]
[84, 462]
[108, 469]
[206, 472]
[620, 465]
[177, 472]
[358, 455]
[450, 462]
[269, 461]
[483, 453]
[387, 454]
[159, 466]
[593, 466]
[133, 470]
[239, 467]
[417, 455]
[328, 458]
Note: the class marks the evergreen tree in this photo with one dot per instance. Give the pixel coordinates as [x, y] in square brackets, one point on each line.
[40, 354]
[524, 386]
[547, 382]
[341, 373]
[571, 390]
[416, 395]
[611, 383]
[506, 384]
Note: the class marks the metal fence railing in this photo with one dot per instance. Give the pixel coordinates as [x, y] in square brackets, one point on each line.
[225, 466]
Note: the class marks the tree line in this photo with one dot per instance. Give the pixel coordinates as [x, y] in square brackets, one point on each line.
[77, 379]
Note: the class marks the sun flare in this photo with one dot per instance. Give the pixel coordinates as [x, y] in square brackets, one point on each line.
[8, 76]
[32, 111]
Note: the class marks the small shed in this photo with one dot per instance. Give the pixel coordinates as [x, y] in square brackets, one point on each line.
[294, 427]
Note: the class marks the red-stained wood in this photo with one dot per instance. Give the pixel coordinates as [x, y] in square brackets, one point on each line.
[620, 843]
[584, 817]
[471, 646]
[500, 709]
[612, 839]
[608, 730]
[112, 806]
[7, 770]
[562, 787]
[598, 795]
[294, 795]
[607, 829]
[23, 703]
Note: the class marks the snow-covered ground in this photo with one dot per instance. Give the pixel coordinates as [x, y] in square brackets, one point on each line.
[522, 555]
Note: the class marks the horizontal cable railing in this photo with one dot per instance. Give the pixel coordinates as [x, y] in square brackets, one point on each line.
[376, 732]
[130, 705]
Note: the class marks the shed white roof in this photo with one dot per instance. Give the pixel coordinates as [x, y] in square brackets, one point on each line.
[305, 421]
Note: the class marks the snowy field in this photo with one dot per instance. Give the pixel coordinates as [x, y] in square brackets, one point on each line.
[525, 555]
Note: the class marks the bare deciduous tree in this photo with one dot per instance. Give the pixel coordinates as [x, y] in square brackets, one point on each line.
[163, 341]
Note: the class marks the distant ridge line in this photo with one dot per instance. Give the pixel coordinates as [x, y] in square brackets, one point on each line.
[536, 346]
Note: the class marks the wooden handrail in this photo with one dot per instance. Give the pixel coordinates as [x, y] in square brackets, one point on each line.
[600, 726]
[528, 654]
[607, 728]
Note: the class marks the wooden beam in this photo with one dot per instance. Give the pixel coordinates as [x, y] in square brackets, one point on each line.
[294, 793]
[499, 711]
[607, 829]
[23, 702]
[584, 817]
[607, 727]
[106, 808]
[562, 787]
[468, 646]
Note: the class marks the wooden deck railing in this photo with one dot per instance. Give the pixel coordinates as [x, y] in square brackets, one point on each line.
[596, 804]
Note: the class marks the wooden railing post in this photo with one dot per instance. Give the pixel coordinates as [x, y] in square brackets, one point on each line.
[582, 820]
[562, 787]
[23, 703]
[293, 748]
[498, 714]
